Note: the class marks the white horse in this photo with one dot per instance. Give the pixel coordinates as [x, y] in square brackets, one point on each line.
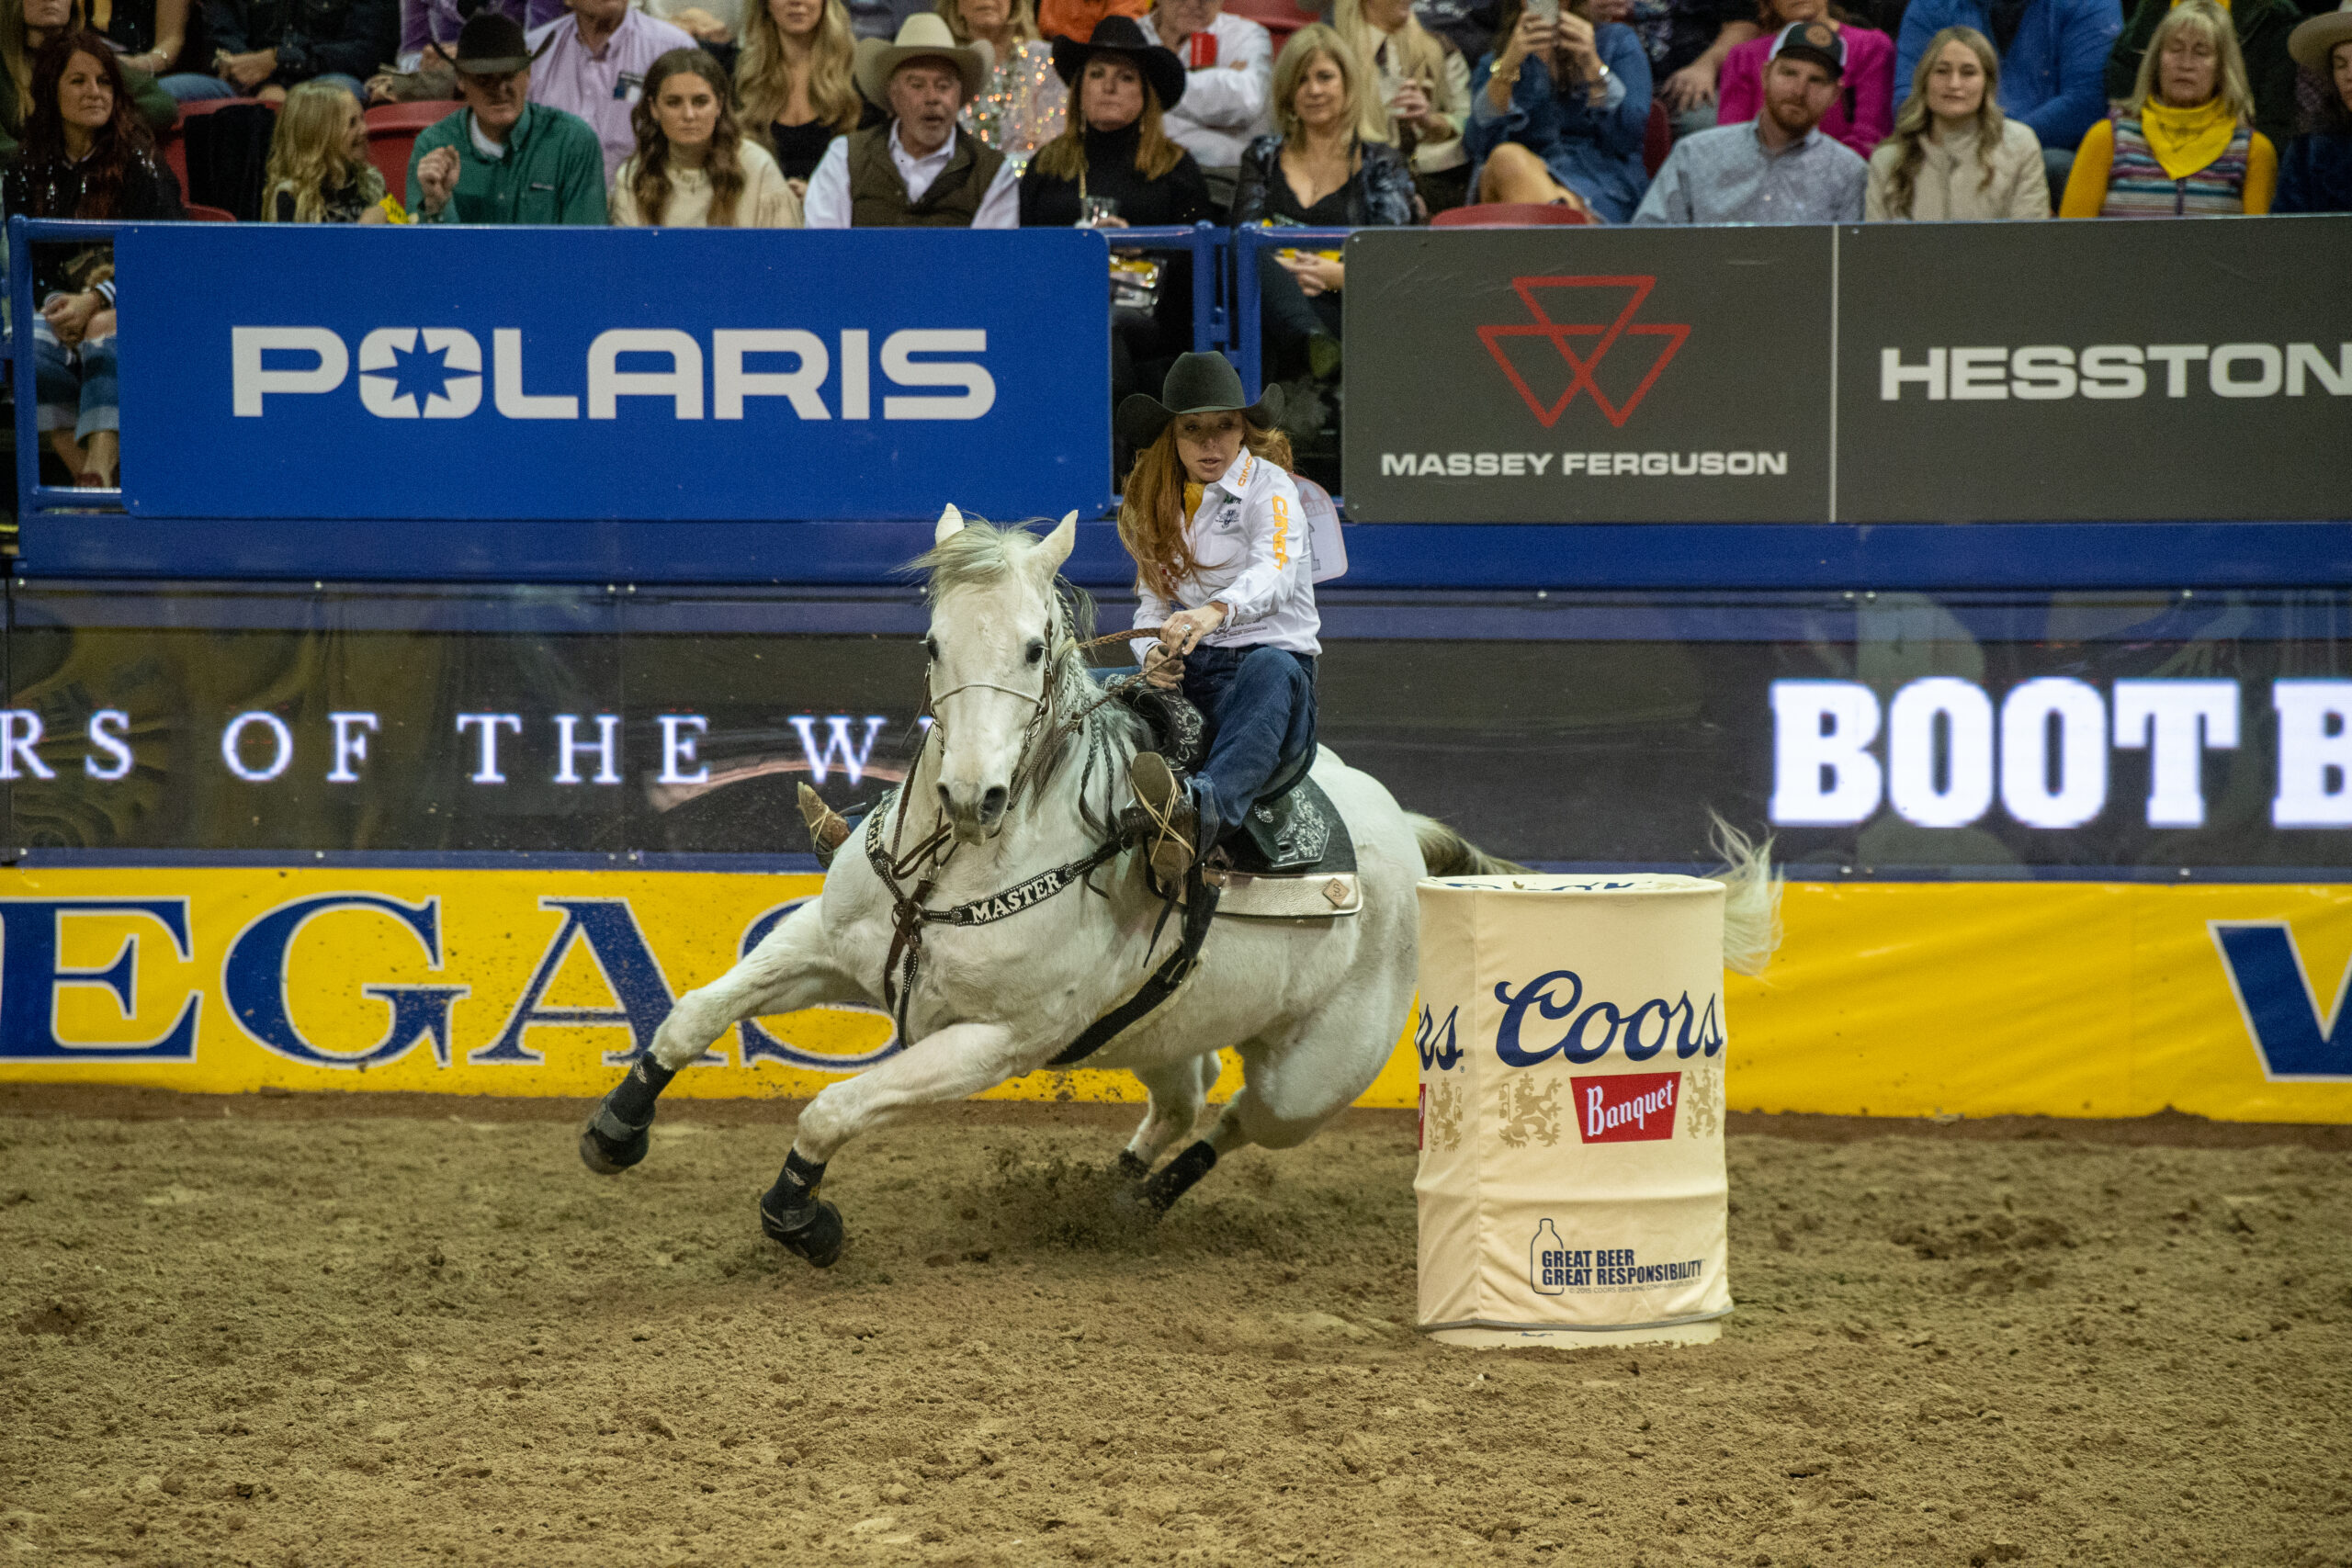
[1025, 772]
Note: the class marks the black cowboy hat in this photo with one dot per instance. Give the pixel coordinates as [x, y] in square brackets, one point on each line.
[491, 44]
[1119, 35]
[1197, 383]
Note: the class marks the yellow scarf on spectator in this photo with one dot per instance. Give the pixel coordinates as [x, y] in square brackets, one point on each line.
[2185, 140]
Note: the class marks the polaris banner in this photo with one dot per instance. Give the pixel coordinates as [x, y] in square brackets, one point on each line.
[716, 374]
[1892, 373]
[2201, 736]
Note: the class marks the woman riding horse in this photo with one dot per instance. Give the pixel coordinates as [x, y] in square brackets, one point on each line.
[1223, 577]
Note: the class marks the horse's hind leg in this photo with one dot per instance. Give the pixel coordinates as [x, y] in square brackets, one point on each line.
[1179, 1089]
[788, 970]
[960, 1060]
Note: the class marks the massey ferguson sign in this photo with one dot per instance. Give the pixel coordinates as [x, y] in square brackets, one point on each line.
[1890, 374]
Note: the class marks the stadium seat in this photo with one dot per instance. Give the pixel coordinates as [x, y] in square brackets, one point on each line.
[392, 138]
[1508, 214]
[1657, 138]
[1279, 18]
[410, 117]
[197, 213]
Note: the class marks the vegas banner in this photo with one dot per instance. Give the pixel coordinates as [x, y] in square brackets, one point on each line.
[1887, 373]
[2074, 854]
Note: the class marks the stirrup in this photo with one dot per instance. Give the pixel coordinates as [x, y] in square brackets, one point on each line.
[1169, 825]
[828, 829]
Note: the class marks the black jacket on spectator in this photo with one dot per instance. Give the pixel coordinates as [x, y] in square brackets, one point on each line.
[1380, 193]
[54, 190]
[311, 37]
[1180, 196]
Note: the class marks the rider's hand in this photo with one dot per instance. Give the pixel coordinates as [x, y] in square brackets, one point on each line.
[1162, 671]
[1182, 632]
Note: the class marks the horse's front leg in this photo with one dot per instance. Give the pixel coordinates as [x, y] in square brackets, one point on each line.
[789, 970]
[960, 1060]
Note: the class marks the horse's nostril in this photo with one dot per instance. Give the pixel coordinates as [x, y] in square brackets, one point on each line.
[943, 798]
[992, 802]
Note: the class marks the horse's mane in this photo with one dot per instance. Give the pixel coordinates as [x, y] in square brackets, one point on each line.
[980, 555]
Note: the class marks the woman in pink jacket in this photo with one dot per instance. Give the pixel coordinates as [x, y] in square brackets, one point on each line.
[1863, 115]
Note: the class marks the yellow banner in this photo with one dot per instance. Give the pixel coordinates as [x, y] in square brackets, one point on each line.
[1892, 1000]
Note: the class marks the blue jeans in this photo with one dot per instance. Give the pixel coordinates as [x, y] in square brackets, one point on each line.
[1259, 706]
[76, 386]
[196, 87]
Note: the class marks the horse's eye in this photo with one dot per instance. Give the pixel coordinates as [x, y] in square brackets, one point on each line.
[1037, 650]
[931, 647]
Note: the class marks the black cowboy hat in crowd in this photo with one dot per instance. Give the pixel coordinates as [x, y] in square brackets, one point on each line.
[491, 44]
[1197, 383]
[1119, 35]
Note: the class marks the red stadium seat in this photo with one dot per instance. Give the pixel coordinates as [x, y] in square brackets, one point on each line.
[392, 138]
[410, 117]
[1508, 214]
[201, 214]
[1657, 138]
[1279, 18]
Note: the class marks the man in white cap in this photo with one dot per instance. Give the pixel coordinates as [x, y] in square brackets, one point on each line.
[918, 171]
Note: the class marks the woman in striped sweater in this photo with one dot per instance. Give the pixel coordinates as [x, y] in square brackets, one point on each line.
[2185, 145]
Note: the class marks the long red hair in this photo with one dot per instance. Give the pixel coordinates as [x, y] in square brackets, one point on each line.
[1151, 510]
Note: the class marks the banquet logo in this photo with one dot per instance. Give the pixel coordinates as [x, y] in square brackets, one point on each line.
[1626, 1108]
[1567, 339]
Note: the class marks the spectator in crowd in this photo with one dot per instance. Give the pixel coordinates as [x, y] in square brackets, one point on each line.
[1954, 154]
[319, 171]
[1781, 169]
[795, 78]
[710, 23]
[421, 73]
[2184, 144]
[1320, 172]
[261, 48]
[1557, 114]
[147, 35]
[1686, 42]
[884, 20]
[1421, 96]
[2261, 26]
[1864, 111]
[2317, 175]
[594, 64]
[693, 168]
[1467, 25]
[86, 154]
[1116, 150]
[25, 27]
[2053, 60]
[1227, 62]
[1023, 105]
[1075, 19]
[916, 170]
[503, 159]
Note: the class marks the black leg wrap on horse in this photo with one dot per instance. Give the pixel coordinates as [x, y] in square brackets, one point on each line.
[616, 1138]
[1178, 1175]
[1131, 1169]
[795, 1218]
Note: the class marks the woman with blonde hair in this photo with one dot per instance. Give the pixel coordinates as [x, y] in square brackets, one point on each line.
[2185, 145]
[794, 81]
[1225, 600]
[693, 168]
[319, 170]
[1954, 154]
[1023, 105]
[1422, 97]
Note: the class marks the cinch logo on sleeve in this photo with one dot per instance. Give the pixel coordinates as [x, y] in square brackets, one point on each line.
[1626, 1108]
[437, 373]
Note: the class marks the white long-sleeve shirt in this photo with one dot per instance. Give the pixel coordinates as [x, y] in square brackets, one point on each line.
[1249, 535]
[828, 202]
[1225, 105]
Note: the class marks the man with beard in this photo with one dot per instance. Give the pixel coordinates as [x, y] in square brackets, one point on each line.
[1779, 169]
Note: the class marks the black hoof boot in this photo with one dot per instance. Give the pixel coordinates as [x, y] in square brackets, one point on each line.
[796, 1219]
[616, 1138]
[1176, 1177]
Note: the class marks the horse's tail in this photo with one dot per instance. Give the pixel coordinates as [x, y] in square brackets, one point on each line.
[1752, 898]
[1445, 852]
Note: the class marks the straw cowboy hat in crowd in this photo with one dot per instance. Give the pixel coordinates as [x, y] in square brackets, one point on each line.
[2315, 39]
[1197, 383]
[1120, 36]
[923, 36]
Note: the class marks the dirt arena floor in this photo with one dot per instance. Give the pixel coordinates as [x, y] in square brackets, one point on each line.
[315, 1331]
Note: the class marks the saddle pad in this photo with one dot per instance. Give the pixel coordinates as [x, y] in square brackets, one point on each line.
[1316, 898]
[1296, 833]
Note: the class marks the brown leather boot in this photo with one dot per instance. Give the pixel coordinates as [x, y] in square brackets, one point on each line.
[1171, 826]
[828, 829]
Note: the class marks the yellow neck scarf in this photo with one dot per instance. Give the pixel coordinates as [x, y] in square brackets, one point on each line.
[2185, 140]
[1192, 497]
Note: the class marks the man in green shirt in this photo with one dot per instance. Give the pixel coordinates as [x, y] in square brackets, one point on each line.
[503, 159]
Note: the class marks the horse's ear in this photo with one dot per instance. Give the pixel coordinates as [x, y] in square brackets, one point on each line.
[1056, 546]
[951, 521]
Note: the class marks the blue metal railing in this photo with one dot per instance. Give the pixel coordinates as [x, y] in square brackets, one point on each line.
[32, 496]
[1205, 243]
[1248, 244]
